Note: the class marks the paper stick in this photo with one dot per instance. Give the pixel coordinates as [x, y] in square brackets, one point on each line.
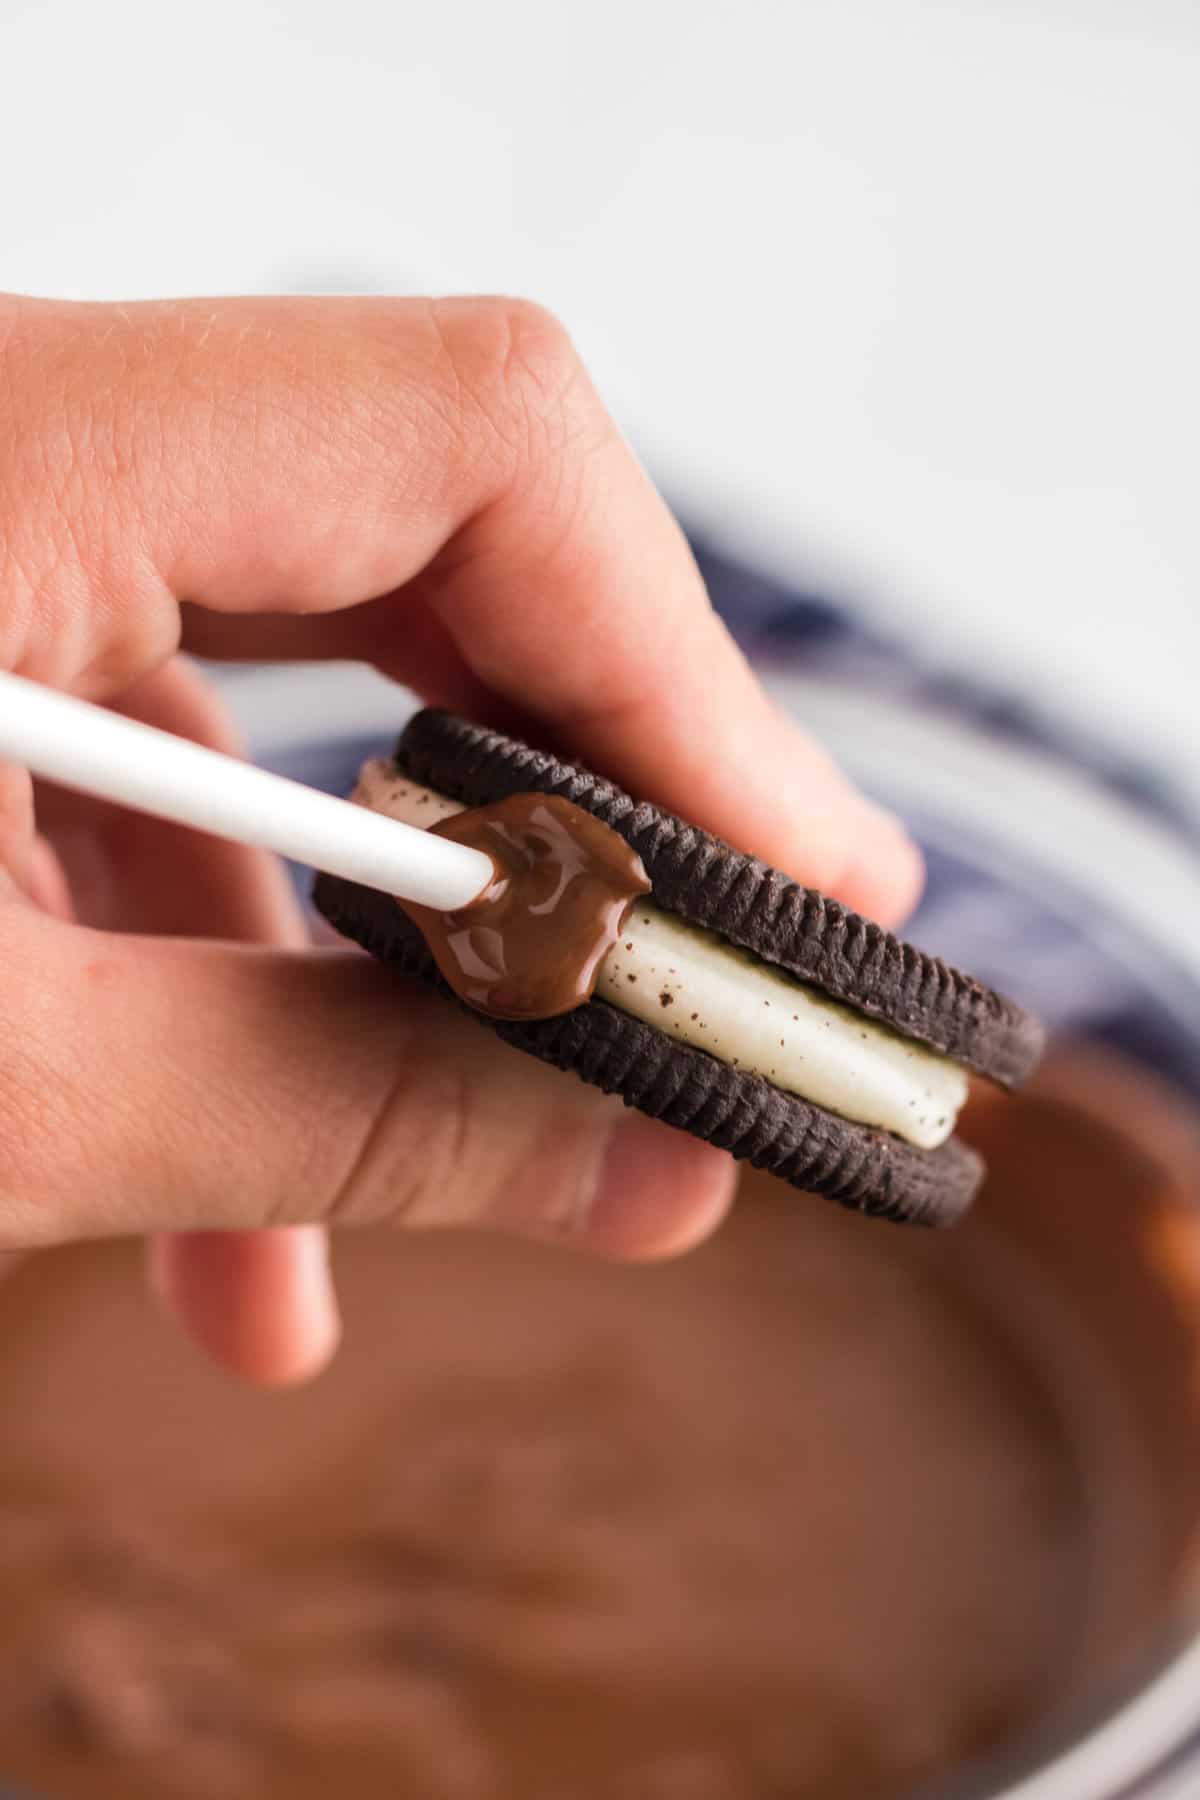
[97, 752]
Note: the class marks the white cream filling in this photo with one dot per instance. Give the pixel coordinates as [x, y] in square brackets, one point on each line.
[692, 985]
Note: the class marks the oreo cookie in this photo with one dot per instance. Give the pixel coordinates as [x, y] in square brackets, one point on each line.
[744, 936]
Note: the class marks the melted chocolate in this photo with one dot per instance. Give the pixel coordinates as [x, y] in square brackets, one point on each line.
[557, 1527]
[531, 945]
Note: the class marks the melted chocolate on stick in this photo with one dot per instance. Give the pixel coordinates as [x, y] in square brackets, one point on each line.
[531, 945]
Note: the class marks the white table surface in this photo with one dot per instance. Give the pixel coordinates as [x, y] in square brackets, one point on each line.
[902, 297]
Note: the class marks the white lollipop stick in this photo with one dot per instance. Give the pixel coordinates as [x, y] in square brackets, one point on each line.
[96, 752]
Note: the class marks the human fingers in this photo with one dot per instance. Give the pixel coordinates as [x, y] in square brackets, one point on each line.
[442, 474]
[261, 1303]
[171, 1085]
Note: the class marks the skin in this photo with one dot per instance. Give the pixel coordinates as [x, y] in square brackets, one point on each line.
[433, 487]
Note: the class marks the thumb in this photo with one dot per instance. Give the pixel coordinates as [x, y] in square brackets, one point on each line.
[165, 1084]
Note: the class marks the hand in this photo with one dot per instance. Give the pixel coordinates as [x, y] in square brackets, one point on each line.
[433, 487]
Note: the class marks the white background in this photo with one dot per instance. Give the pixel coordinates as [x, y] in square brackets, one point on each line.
[902, 295]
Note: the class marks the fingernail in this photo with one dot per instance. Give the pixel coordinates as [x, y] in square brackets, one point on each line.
[659, 1191]
[317, 1314]
[885, 822]
[261, 1303]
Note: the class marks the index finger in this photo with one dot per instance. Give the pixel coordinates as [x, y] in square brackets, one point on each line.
[438, 482]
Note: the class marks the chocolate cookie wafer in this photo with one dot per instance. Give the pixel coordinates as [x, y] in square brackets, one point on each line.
[737, 1004]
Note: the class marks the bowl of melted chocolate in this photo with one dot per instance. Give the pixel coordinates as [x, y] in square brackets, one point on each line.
[827, 1510]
